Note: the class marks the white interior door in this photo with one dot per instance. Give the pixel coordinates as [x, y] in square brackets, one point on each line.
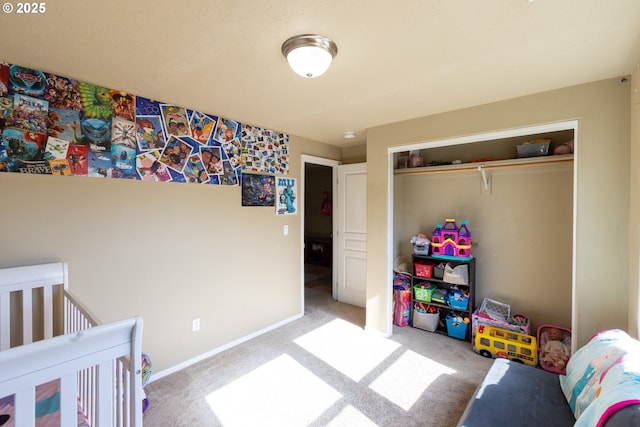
[352, 234]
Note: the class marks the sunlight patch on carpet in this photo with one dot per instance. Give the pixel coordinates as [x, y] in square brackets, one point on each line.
[267, 395]
[347, 348]
[407, 378]
[350, 417]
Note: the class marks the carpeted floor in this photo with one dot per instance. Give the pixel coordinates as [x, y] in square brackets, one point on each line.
[323, 370]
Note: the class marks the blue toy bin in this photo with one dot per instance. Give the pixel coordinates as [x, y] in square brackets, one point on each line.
[456, 329]
[459, 303]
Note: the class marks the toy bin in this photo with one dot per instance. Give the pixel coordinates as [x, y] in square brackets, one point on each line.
[421, 248]
[438, 270]
[458, 301]
[423, 293]
[427, 321]
[456, 328]
[423, 270]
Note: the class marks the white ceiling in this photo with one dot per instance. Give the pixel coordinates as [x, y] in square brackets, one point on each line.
[396, 60]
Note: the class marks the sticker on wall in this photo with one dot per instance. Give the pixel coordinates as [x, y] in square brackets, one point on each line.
[258, 190]
[64, 124]
[123, 105]
[175, 120]
[230, 175]
[264, 151]
[78, 158]
[29, 113]
[57, 148]
[201, 126]
[99, 164]
[194, 170]
[52, 124]
[96, 101]
[4, 79]
[212, 160]
[149, 133]
[27, 81]
[25, 151]
[150, 168]
[286, 196]
[62, 93]
[6, 107]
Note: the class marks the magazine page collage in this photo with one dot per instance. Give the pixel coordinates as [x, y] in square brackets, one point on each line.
[55, 125]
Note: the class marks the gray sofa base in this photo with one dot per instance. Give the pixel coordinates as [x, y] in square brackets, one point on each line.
[512, 393]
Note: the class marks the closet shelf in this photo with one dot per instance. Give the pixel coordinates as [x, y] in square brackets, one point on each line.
[494, 164]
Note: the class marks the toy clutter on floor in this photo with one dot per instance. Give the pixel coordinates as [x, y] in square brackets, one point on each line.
[554, 348]
[498, 314]
[401, 291]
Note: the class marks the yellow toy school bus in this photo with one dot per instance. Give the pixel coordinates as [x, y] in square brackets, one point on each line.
[496, 342]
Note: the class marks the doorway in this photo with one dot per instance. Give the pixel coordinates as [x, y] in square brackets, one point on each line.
[318, 224]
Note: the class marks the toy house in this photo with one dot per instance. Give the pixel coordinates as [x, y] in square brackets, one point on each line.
[450, 241]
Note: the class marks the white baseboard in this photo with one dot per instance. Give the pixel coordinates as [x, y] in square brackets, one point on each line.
[157, 375]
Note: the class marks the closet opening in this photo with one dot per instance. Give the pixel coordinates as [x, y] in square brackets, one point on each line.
[521, 214]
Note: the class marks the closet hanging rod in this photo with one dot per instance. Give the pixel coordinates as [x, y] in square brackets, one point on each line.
[496, 164]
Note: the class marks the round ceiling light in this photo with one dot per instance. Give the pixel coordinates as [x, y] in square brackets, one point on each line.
[349, 134]
[309, 55]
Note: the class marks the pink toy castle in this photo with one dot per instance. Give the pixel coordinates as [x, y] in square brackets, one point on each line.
[450, 241]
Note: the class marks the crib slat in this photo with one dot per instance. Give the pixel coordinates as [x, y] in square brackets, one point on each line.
[105, 394]
[47, 309]
[68, 401]
[5, 321]
[27, 316]
[25, 401]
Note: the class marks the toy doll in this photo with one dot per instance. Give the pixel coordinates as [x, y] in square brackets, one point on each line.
[555, 352]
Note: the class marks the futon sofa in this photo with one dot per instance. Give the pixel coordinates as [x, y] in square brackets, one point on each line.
[601, 388]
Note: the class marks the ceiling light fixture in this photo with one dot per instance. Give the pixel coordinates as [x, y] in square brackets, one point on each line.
[349, 134]
[309, 55]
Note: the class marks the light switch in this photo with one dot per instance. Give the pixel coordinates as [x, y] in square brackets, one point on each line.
[285, 230]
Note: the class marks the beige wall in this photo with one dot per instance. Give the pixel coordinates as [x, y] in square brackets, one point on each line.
[168, 252]
[634, 212]
[130, 252]
[602, 109]
[354, 154]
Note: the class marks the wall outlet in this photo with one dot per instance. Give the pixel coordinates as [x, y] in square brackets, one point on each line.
[195, 325]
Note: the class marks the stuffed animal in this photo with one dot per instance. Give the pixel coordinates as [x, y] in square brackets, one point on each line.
[555, 352]
[565, 148]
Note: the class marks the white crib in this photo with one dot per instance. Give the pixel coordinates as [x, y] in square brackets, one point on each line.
[46, 335]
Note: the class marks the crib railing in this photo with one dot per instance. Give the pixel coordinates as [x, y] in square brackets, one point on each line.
[78, 318]
[22, 289]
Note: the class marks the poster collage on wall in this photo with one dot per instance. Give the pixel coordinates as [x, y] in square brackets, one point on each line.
[59, 126]
[268, 190]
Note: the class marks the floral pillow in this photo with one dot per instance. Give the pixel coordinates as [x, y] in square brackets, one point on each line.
[602, 377]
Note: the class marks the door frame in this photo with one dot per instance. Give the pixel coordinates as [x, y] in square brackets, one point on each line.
[333, 164]
[484, 136]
